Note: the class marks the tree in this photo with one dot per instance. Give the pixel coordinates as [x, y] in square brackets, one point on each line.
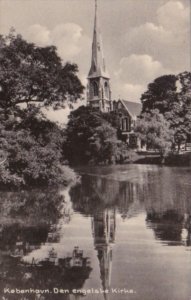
[104, 144]
[31, 147]
[31, 74]
[91, 139]
[171, 95]
[161, 94]
[80, 128]
[34, 157]
[185, 99]
[154, 130]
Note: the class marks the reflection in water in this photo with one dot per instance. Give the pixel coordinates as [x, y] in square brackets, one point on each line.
[103, 226]
[70, 239]
[168, 207]
[22, 242]
[95, 194]
[28, 259]
[188, 227]
[98, 198]
[166, 202]
[167, 226]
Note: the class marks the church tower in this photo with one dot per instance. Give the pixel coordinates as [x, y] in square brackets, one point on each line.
[98, 87]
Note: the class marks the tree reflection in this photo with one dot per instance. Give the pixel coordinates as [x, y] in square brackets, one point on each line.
[34, 207]
[94, 194]
[49, 275]
[165, 201]
[168, 207]
[167, 226]
[31, 222]
[187, 219]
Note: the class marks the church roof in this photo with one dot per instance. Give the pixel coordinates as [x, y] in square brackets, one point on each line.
[98, 68]
[134, 108]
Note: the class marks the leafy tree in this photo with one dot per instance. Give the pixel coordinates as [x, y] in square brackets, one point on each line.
[185, 98]
[153, 129]
[161, 94]
[30, 145]
[31, 74]
[104, 143]
[33, 148]
[81, 126]
[171, 95]
[91, 139]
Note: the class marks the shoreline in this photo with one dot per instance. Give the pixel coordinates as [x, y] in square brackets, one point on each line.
[173, 160]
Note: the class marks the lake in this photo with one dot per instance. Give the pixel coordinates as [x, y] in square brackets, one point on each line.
[123, 232]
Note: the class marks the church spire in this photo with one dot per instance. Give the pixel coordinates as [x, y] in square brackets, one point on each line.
[97, 68]
[98, 87]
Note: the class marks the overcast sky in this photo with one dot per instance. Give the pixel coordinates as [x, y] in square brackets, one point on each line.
[142, 39]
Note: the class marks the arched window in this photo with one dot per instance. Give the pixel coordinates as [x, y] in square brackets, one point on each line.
[106, 89]
[95, 89]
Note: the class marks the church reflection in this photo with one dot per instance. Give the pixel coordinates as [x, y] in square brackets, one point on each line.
[103, 228]
[98, 197]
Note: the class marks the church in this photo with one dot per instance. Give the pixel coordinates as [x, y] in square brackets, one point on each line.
[99, 90]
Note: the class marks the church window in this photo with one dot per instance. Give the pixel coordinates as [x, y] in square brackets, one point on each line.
[106, 90]
[128, 123]
[124, 124]
[95, 89]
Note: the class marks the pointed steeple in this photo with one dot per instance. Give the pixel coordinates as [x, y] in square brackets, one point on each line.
[98, 68]
[98, 86]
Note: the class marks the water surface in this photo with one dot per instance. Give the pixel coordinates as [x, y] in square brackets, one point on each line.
[125, 230]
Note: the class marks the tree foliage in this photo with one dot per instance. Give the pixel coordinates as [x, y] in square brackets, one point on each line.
[91, 139]
[161, 94]
[33, 148]
[171, 95]
[31, 74]
[154, 130]
[104, 144]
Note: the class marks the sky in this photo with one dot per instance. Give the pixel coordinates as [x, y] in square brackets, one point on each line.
[142, 39]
